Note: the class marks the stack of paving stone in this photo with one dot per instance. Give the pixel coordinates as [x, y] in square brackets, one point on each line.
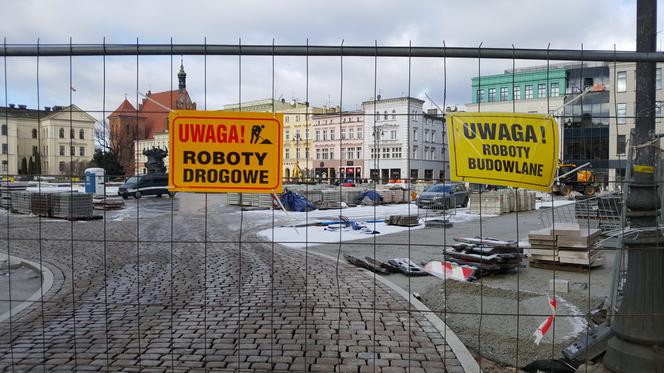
[6, 188]
[71, 205]
[21, 202]
[502, 201]
[566, 245]
[489, 255]
[41, 204]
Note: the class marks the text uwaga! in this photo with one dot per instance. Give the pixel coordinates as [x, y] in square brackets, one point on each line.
[496, 157]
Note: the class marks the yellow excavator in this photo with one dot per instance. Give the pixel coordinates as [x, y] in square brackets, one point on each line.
[573, 178]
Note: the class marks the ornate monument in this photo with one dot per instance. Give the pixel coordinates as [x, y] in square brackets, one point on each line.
[155, 163]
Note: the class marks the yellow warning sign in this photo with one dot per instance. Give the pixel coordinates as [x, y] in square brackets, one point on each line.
[219, 151]
[519, 150]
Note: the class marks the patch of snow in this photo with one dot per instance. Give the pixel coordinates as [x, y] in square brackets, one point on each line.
[318, 235]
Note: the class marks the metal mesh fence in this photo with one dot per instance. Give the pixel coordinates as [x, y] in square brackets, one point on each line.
[231, 282]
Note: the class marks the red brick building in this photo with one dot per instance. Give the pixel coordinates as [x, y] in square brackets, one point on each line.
[127, 124]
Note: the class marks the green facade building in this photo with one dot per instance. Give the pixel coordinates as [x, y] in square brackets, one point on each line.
[524, 84]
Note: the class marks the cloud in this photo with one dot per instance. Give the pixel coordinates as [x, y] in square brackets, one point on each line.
[562, 24]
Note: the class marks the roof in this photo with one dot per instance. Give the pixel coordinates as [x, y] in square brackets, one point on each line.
[125, 108]
[392, 99]
[25, 113]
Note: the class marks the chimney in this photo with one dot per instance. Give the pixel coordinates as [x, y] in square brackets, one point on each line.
[57, 108]
[47, 108]
[22, 107]
[12, 106]
[378, 98]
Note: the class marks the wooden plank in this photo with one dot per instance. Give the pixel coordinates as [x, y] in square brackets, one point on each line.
[540, 251]
[559, 266]
[542, 234]
[544, 243]
[593, 262]
[585, 255]
[585, 239]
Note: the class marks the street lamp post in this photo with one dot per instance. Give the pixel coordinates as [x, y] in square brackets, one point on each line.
[637, 344]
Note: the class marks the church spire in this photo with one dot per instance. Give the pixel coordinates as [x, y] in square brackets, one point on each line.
[182, 77]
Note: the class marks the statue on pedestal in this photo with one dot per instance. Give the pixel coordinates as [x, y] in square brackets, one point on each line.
[155, 163]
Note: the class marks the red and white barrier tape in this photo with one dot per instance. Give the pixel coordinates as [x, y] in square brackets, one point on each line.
[544, 327]
[448, 270]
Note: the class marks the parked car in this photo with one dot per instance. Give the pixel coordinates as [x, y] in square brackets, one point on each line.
[145, 185]
[443, 196]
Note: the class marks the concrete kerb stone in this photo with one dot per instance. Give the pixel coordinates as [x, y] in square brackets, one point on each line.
[46, 284]
[465, 358]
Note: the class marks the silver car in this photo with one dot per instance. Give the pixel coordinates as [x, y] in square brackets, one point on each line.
[443, 196]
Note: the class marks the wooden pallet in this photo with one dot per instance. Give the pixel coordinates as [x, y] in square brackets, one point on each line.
[568, 267]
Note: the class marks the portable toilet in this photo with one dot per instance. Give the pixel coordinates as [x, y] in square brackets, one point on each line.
[94, 181]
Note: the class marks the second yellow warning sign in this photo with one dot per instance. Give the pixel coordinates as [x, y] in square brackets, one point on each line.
[215, 151]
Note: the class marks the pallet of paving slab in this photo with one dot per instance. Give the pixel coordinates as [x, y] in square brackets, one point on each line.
[542, 235]
[585, 239]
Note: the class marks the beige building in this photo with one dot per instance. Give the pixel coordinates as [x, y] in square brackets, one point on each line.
[62, 138]
[623, 112]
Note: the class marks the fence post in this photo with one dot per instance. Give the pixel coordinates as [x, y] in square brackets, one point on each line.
[638, 329]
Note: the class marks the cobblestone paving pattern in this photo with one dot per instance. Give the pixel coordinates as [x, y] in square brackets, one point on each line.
[184, 305]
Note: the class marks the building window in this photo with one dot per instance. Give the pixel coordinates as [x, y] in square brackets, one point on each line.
[541, 90]
[81, 134]
[358, 153]
[433, 153]
[287, 153]
[306, 153]
[529, 91]
[426, 153]
[394, 114]
[555, 89]
[415, 151]
[317, 135]
[62, 150]
[503, 94]
[342, 133]
[306, 134]
[516, 92]
[62, 133]
[393, 135]
[351, 133]
[286, 119]
[297, 118]
[426, 135]
[72, 151]
[492, 94]
[81, 151]
[287, 135]
[62, 166]
[396, 152]
[332, 134]
[621, 113]
[385, 117]
[480, 95]
[5, 149]
[325, 153]
[414, 134]
[297, 153]
[359, 133]
[658, 78]
[658, 110]
[433, 136]
[386, 153]
[621, 144]
[71, 133]
[297, 134]
[621, 84]
[35, 150]
[5, 166]
[324, 135]
[373, 153]
[350, 153]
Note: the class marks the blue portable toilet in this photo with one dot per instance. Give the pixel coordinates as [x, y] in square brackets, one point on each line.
[94, 181]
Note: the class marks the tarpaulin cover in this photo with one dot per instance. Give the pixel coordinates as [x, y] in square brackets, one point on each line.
[372, 195]
[295, 202]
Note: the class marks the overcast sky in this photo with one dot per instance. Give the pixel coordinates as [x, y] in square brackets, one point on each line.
[598, 24]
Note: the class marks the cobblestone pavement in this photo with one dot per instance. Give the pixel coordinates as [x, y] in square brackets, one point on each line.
[151, 295]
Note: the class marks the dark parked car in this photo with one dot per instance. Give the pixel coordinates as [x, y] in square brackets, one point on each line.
[145, 185]
[443, 196]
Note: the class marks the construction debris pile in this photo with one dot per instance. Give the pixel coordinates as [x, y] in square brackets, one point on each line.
[6, 188]
[488, 255]
[502, 201]
[565, 246]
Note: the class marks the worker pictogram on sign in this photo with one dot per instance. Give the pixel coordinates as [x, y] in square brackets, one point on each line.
[216, 151]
